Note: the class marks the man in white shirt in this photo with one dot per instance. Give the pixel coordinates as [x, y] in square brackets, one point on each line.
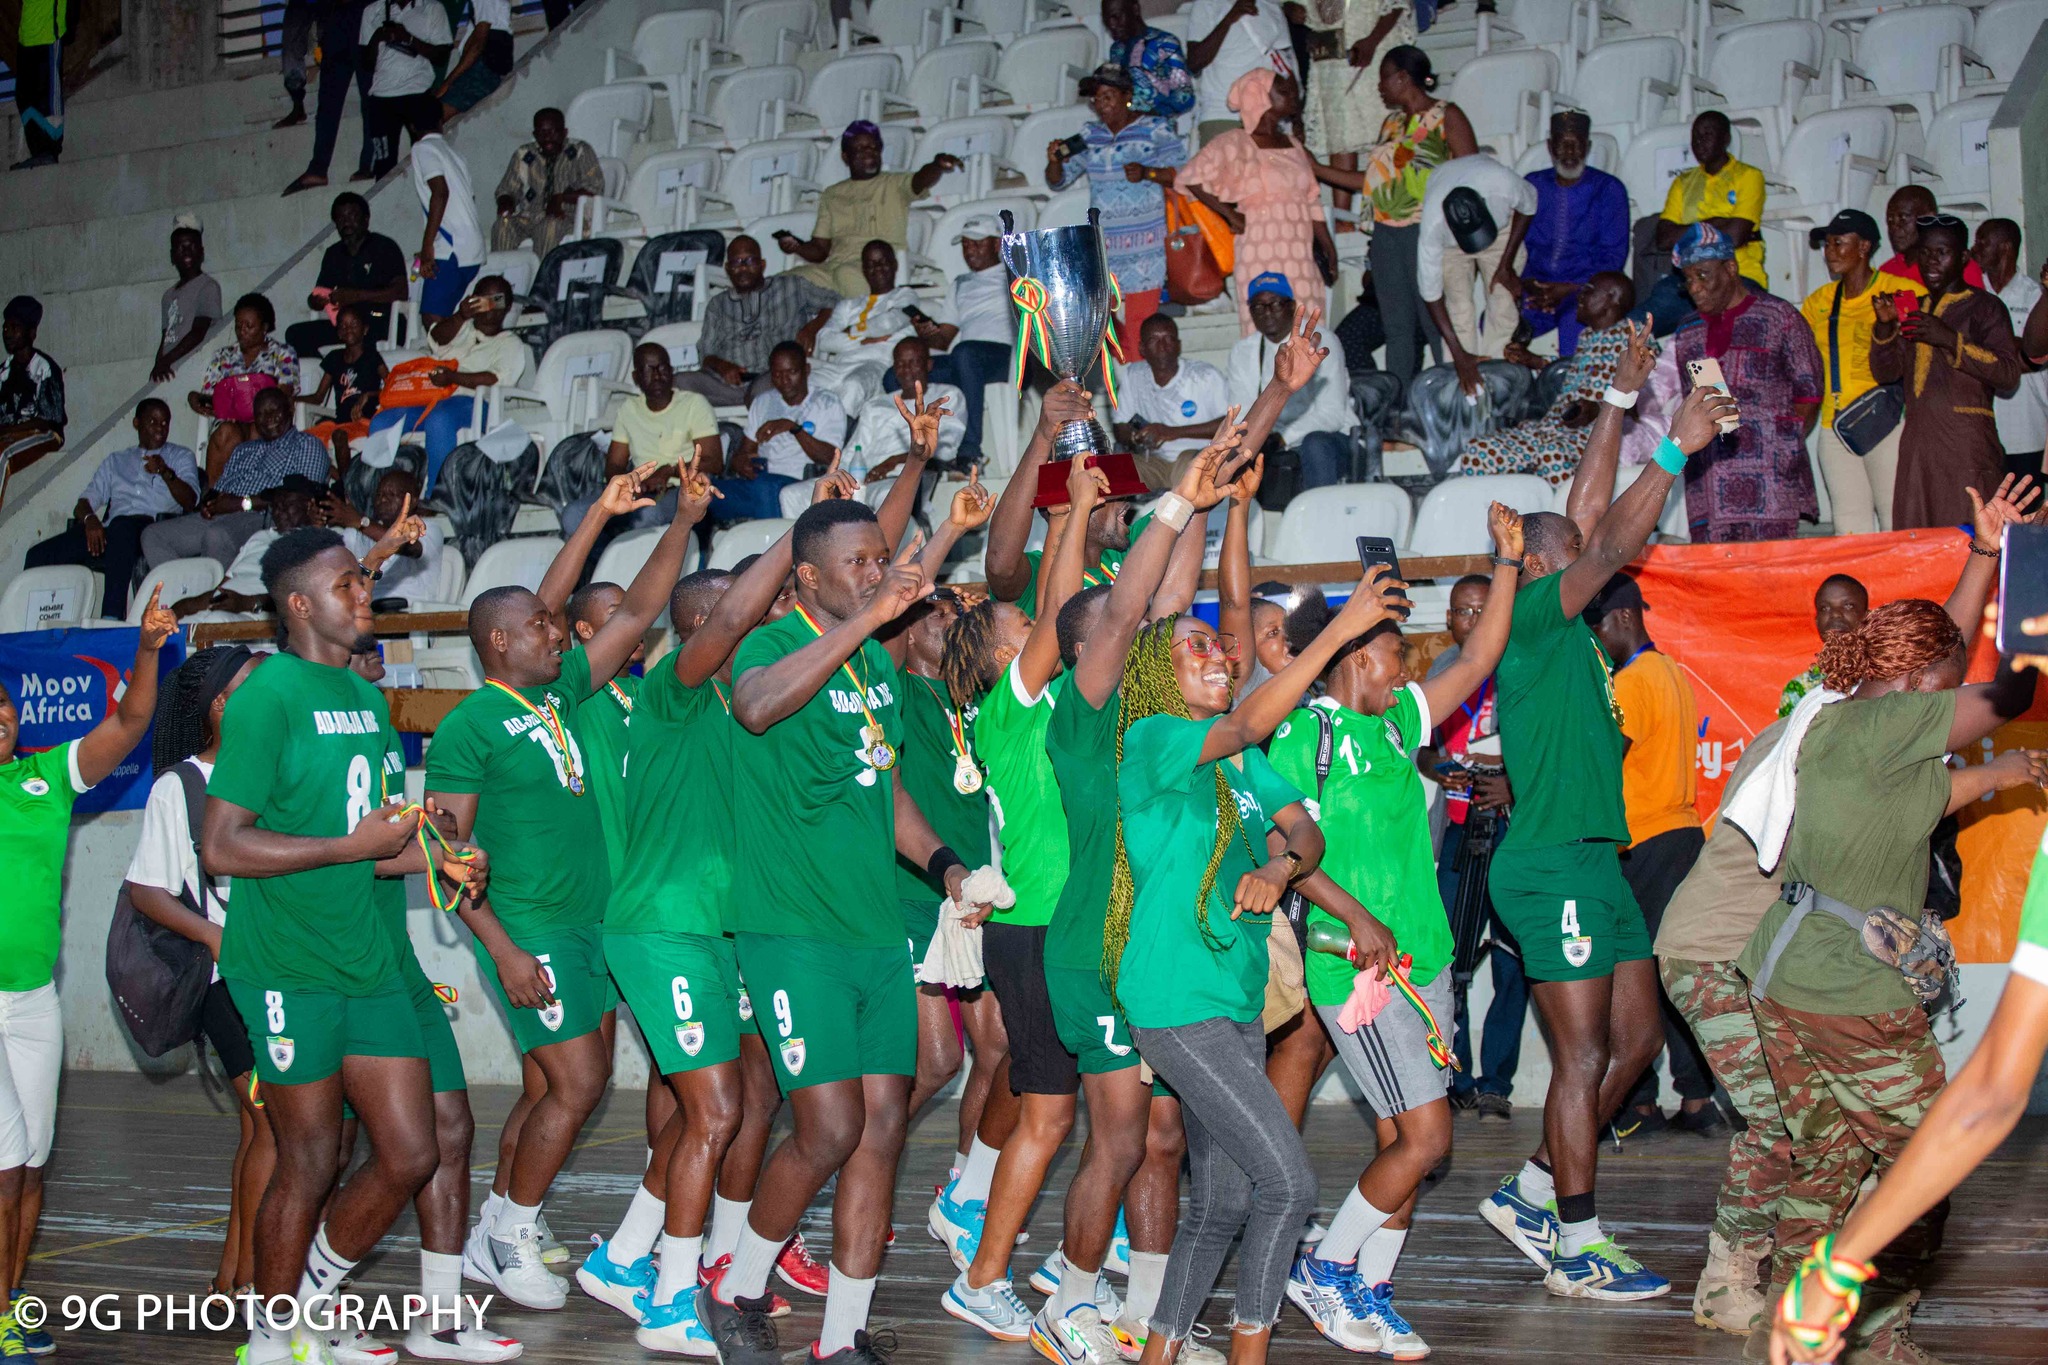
[1167, 406]
[241, 592]
[852, 351]
[881, 438]
[452, 249]
[1317, 421]
[131, 490]
[1227, 38]
[402, 41]
[414, 571]
[791, 426]
[970, 339]
[1473, 220]
[2022, 414]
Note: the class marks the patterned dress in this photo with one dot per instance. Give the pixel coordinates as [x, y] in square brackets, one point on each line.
[1756, 482]
[1133, 215]
[1545, 445]
[1397, 170]
[1342, 111]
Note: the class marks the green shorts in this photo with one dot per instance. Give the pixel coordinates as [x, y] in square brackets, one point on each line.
[301, 1036]
[750, 1025]
[1089, 1023]
[684, 993]
[1570, 908]
[832, 1012]
[920, 922]
[584, 994]
[443, 1057]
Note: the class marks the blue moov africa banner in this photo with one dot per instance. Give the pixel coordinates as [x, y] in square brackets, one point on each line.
[64, 682]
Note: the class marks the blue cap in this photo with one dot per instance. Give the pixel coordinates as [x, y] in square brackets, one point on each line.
[1272, 282]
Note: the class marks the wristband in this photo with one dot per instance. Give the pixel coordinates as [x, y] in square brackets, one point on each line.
[1502, 561]
[942, 861]
[1988, 554]
[1616, 398]
[1174, 510]
[1670, 456]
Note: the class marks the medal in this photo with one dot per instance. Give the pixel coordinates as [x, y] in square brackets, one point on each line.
[966, 776]
[881, 755]
[876, 751]
[572, 775]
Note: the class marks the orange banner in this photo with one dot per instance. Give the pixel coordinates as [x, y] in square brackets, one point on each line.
[1739, 620]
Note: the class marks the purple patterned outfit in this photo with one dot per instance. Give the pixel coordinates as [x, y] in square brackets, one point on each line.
[1756, 482]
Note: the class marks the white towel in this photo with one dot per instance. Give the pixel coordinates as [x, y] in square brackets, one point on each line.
[954, 958]
[1762, 806]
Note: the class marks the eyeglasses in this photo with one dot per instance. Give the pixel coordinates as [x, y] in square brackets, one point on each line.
[1940, 220]
[1210, 646]
[1465, 611]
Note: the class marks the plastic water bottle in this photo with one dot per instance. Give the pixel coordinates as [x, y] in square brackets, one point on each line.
[857, 465]
[1326, 937]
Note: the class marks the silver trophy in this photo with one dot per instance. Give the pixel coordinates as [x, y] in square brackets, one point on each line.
[1072, 269]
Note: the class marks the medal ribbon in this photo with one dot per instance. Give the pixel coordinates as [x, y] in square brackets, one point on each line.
[624, 701]
[723, 700]
[553, 723]
[1032, 339]
[428, 830]
[1439, 1053]
[953, 722]
[860, 691]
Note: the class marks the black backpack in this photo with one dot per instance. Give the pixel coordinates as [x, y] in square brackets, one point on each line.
[158, 977]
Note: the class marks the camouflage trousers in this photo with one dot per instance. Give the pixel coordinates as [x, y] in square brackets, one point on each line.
[1714, 998]
[1852, 1089]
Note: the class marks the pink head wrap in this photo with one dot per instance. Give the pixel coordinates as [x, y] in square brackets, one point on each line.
[1251, 95]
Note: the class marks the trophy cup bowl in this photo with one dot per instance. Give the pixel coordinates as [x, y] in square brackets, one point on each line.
[1070, 265]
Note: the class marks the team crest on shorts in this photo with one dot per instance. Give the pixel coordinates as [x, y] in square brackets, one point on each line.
[793, 1056]
[281, 1052]
[690, 1038]
[746, 1005]
[1578, 951]
[551, 1017]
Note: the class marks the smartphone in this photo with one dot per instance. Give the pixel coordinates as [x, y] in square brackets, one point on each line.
[916, 314]
[1906, 303]
[2023, 590]
[1075, 145]
[1380, 550]
[1450, 767]
[1706, 373]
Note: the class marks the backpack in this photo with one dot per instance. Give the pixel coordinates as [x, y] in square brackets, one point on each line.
[157, 976]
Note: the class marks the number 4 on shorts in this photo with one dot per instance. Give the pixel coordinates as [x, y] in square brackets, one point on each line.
[1578, 948]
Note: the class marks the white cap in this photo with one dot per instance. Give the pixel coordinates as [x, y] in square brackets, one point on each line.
[980, 225]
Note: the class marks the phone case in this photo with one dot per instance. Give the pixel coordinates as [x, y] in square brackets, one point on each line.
[1706, 373]
[2022, 589]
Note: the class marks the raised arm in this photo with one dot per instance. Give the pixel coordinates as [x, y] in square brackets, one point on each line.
[613, 644]
[1234, 567]
[2013, 768]
[621, 495]
[1593, 482]
[971, 507]
[1009, 530]
[1988, 520]
[1983, 707]
[1061, 573]
[901, 500]
[1481, 652]
[114, 738]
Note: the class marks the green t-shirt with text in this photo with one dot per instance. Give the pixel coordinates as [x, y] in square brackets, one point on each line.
[930, 757]
[1081, 741]
[1104, 570]
[36, 795]
[603, 723]
[1009, 735]
[678, 836]
[1558, 735]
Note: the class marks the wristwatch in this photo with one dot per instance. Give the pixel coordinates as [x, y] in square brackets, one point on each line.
[248, 503]
[1505, 562]
[1294, 868]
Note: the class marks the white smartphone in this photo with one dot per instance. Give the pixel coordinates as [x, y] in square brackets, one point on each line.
[1706, 373]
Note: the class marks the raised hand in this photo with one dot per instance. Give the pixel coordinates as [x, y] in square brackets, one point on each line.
[1638, 360]
[923, 420]
[1378, 597]
[1296, 361]
[1506, 525]
[2008, 507]
[905, 582]
[973, 504]
[159, 623]
[1086, 487]
[1206, 480]
[622, 493]
[834, 483]
[1250, 475]
[2019, 768]
[1065, 402]
[1698, 420]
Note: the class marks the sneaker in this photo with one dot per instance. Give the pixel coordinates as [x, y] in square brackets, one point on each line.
[1464, 1101]
[1397, 1339]
[1635, 1123]
[957, 1225]
[1532, 1228]
[994, 1308]
[1706, 1121]
[779, 1306]
[869, 1348]
[552, 1252]
[516, 1269]
[1046, 1280]
[797, 1270]
[672, 1328]
[475, 1254]
[461, 1343]
[741, 1331]
[1079, 1338]
[1492, 1106]
[12, 1347]
[609, 1282]
[358, 1348]
[38, 1340]
[1336, 1302]
[1118, 1262]
[1603, 1271]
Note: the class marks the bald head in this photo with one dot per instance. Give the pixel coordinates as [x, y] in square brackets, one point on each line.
[1550, 542]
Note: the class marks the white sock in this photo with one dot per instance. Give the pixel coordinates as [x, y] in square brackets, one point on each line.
[441, 1287]
[1576, 1237]
[1148, 1277]
[752, 1259]
[267, 1343]
[976, 1172]
[959, 1165]
[846, 1311]
[1376, 1259]
[1076, 1287]
[322, 1276]
[1537, 1186]
[641, 1225]
[679, 1256]
[488, 1214]
[1356, 1221]
[728, 1218]
[512, 1217]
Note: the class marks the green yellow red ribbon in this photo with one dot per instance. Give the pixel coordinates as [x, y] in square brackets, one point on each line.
[1029, 296]
[446, 993]
[1439, 1053]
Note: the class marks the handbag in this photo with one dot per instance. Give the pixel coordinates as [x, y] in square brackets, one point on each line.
[234, 398]
[1862, 424]
[157, 976]
[1194, 274]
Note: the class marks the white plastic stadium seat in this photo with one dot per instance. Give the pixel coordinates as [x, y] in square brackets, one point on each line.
[1758, 74]
[983, 145]
[863, 85]
[769, 177]
[1323, 524]
[1898, 61]
[679, 339]
[947, 79]
[53, 598]
[803, 223]
[519, 562]
[2005, 30]
[1452, 519]
[181, 578]
[748, 105]
[668, 50]
[770, 32]
[1958, 154]
[1604, 154]
[1650, 162]
[735, 543]
[1831, 162]
[573, 385]
[1493, 91]
[1041, 70]
[1624, 86]
[665, 193]
[624, 557]
[611, 118]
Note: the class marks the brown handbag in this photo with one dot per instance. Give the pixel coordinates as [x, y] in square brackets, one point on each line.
[1193, 274]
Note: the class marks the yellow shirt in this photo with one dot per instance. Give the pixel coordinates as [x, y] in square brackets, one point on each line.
[1737, 191]
[1859, 315]
[1661, 722]
[666, 437]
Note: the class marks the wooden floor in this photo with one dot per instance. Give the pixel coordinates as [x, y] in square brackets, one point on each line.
[136, 1198]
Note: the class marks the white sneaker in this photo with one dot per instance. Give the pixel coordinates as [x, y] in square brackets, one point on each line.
[994, 1308]
[1046, 1280]
[461, 1343]
[1336, 1302]
[1079, 1338]
[475, 1255]
[358, 1348]
[516, 1269]
[552, 1252]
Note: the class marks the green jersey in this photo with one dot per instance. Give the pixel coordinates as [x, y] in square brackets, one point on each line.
[1559, 733]
[932, 732]
[36, 793]
[1010, 737]
[1375, 823]
[310, 750]
[1081, 741]
[603, 719]
[1103, 570]
[815, 819]
[677, 876]
[1173, 971]
[538, 814]
[2030, 956]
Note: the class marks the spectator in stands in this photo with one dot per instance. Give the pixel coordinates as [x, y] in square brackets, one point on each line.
[452, 249]
[2022, 412]
[339, 22]
[851, 351]
[32, 417]
[1230, 38]
[1121, 152]
[1953, 350]
[39, 81]
[973, 338]
[295, 44]
[1902, 214]
[132, 488]
[1840, 315]
[871, 204]
[1755, 482]
[405, 42]
[484, 62]
[291, 505]
[189, 306]
[537, 194]
[1839, 606]
[416, 568]
[1167, 406]
[1473, 220]
[881, 434]
[1580, 229]
[479, 353]
[1719, 190]
[1551, 445]
[253, 361]
[1317, 421]
[1160, 83]
[744, 324]
[791, 426]
[1342, 112]
[238, 506]
[351, 377]
[1264, 185]
[557, 12]
[361, 267]
[658, 426]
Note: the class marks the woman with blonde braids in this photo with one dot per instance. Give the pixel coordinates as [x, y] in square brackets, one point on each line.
[1184, 946]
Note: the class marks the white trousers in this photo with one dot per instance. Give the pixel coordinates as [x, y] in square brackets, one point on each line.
[31, 1059]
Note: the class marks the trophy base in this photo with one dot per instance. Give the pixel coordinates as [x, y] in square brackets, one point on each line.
[1079, 439]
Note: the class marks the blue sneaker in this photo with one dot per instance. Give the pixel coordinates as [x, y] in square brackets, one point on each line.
[609, 1282]
[38, 1341]
[1603, 1271]
[1531, 1227]
[1397, 1339]
[1118, 1262]
[957, 1225]
[994, 1308]
[673, 1327]
[1336, 1302]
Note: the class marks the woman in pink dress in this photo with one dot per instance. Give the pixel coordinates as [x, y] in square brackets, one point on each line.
[1262, 181]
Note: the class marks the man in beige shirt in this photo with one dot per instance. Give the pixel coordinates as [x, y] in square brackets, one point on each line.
[870, 204]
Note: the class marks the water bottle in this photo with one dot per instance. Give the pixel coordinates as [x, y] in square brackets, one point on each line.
[857, 465]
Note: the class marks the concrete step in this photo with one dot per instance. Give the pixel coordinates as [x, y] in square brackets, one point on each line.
[120, 324]
[103, 116]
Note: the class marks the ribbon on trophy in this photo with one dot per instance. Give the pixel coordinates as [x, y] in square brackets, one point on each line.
[1029, 296]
